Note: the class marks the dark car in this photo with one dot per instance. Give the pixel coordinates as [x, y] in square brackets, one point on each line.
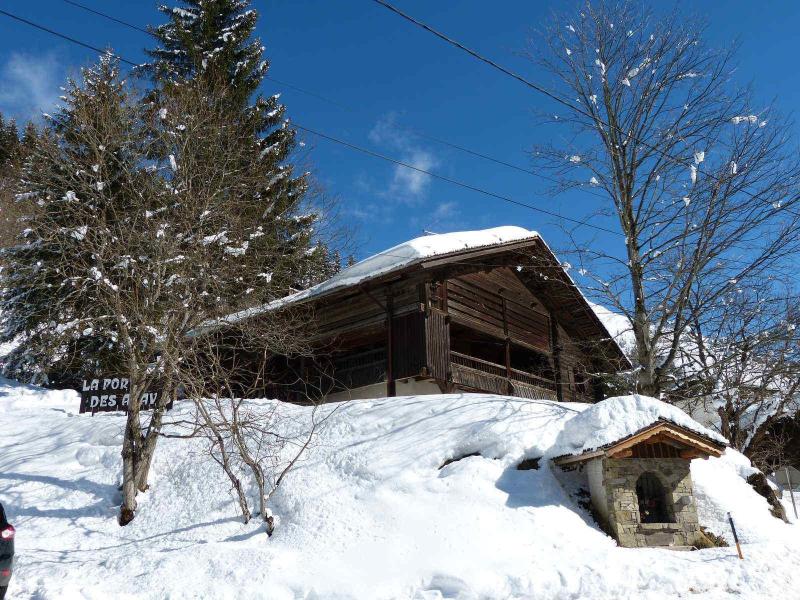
[6, 551]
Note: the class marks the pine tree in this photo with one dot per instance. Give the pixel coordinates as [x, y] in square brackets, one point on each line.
[9, 141]
[72, 186]
[11, 154]
[209, 44]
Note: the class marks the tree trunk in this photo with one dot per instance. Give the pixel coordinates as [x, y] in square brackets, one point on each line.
[128, 508]
[138, 451]
[148, 445]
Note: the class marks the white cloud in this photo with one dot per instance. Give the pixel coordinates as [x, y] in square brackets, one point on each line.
[408, 185]
[445, 210]
[29, 84]
[411, 183]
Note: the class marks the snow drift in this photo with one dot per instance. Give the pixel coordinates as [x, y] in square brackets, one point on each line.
[370, 513]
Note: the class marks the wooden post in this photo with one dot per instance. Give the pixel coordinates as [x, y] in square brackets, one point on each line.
[556, 350]
[791, 490]
[735, 537]
[391, 387]
[509, 385]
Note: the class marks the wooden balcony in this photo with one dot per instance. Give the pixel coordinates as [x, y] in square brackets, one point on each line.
[478, 374]
[467, 372]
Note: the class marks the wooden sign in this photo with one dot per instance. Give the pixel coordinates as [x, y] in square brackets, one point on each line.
[109, 394]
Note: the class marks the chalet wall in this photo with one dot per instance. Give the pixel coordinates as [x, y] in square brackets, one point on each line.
[573, 362]
[365, 311]
[481, 300]
[412, 320]
[404, 387]
[375, 390]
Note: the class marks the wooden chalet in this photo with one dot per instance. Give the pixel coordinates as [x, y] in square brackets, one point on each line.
[486, 311]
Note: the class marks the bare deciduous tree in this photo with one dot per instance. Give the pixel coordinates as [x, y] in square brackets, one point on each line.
[257, 441]
[740, 366]
[150, 222]
[702, 184]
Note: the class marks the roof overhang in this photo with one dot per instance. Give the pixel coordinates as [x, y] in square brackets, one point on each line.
[691, 443]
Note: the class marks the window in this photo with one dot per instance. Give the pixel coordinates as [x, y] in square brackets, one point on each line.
[653, 504]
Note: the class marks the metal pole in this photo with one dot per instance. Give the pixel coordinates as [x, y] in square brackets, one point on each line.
[791, 490]
[735, 537]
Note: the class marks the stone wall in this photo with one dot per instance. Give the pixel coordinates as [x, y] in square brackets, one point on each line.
[619, 480]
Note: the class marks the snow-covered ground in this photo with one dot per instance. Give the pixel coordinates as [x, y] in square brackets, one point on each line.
[368, 514]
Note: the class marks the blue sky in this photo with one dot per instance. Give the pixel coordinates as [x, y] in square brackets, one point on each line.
[389, 77]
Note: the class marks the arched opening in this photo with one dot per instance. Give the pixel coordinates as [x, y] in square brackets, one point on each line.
[653, 504]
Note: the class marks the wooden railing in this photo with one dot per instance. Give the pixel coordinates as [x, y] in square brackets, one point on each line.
[483, 374]
[477, 363]
[531, 379]
[364, 368]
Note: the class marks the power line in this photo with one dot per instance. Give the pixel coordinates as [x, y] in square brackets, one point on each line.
[452, 181]
[345, 107]
[64, 37]
[474, 54]
[541, 89]
[109, 17]
[150, 33]
[361, 149]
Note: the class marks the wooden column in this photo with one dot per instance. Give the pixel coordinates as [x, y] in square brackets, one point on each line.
[556, 346]
[509, 385]
[391, 388]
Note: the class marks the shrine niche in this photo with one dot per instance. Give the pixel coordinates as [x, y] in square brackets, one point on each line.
[641, 485]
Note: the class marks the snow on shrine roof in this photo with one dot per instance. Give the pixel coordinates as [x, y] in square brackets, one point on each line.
[615, 419]
[399, 257]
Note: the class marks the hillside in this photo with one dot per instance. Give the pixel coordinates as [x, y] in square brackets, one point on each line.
[368, 514]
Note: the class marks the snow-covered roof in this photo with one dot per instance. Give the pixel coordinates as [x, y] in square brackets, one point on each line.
[397, 258]
[620, 417]
[417, 251]
[618, 326]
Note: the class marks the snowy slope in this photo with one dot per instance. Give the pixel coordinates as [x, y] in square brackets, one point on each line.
[367, 515]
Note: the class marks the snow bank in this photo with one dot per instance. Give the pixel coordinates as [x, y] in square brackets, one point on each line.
[396, 258]
[616, 418]
[368, 514]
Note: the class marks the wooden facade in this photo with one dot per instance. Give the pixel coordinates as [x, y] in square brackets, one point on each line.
[504, 319]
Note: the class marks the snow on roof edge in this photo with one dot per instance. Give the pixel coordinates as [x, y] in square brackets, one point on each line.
[588, 302]
[656, 423]
[393, 259]
[618, 418]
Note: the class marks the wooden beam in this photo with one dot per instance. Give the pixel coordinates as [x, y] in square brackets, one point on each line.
[666, 430]
[465, 255]
[692, 453]
[391, 386]
[556, 349]
[566, 460]
[507, 347]
[698, 448]
[622, 454]
[369, 295]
